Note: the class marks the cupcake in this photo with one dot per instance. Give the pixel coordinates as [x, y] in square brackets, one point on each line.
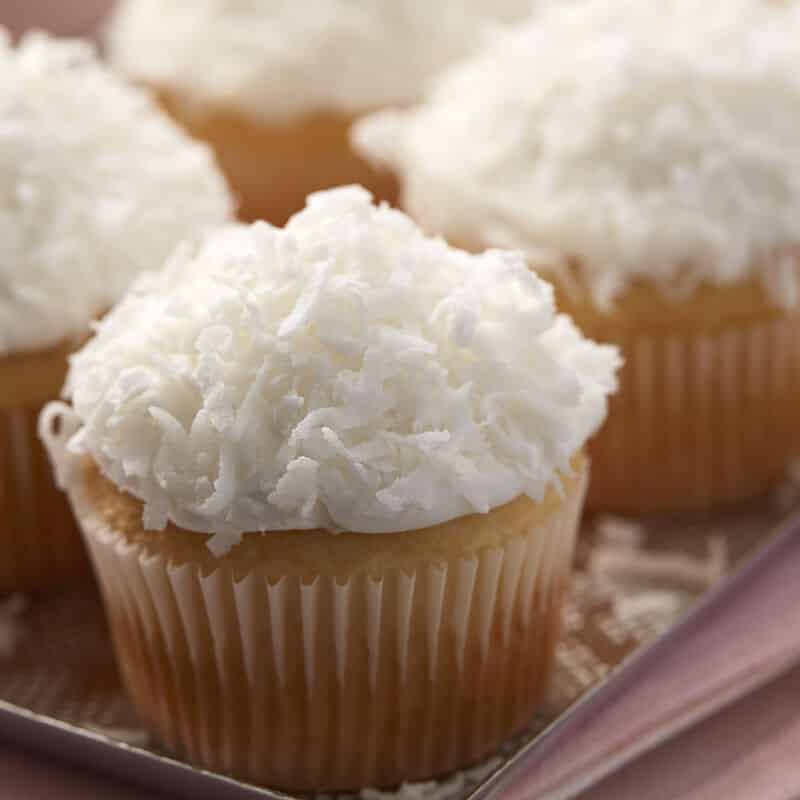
[645, 159]
[330, 497]
[96, 184]
[275, 86]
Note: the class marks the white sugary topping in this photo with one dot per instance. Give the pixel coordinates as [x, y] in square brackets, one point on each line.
[278, 58]
[344, 373]
[640, 140]
[96, 185]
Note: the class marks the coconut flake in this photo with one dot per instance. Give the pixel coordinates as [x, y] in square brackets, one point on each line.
[96, 186]
[245, 418]
[630, 139]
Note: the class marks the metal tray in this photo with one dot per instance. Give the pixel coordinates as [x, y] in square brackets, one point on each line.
[635, 586]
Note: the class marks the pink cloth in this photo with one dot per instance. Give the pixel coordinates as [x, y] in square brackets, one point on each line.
[748, 752]
[742, 640]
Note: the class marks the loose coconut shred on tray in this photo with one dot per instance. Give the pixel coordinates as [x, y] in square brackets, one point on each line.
[11, 623]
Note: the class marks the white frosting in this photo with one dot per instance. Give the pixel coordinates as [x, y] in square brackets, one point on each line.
[96, 185]
[279, 58]
[640, 140]
[344, 373]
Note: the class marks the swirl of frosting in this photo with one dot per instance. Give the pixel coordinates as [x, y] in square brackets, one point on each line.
[345, 373]
[281, 58]
[631, 140]
[96, 184]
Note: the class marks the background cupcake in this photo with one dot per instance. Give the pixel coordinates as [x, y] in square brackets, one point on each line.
[274, 85]
[331, 477]
[646, 159]
[95, 185]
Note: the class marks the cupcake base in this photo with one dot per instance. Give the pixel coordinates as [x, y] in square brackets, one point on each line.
[313, 662]
[707, 410]
[39, 538]
[273, 167]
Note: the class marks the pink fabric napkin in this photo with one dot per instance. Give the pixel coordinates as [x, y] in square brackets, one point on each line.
[747, 752]
[739, 642]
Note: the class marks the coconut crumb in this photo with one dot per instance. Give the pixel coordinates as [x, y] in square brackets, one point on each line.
[134, 737]
[12, 626]
[787, 495]
[631, 608]
[647, 590]
[618, 561]
[454, 786]
[619, 531]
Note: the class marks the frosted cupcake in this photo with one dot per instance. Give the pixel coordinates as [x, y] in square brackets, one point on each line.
[95, 184]
[330, 496]
[645, 158]
[274, 86]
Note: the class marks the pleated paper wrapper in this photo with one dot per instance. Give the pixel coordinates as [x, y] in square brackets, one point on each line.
[331, 682]
[699, 420]
[39, 539]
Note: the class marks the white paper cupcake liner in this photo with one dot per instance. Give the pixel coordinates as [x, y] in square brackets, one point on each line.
[700, 420]
[39, 538]
[336, 683]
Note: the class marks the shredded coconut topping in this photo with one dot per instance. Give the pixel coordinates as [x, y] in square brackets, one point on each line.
[634, 140]
[278, 58]
[345, 372]
[96, 185]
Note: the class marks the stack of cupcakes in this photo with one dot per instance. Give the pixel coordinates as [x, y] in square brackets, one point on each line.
[646, 159]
